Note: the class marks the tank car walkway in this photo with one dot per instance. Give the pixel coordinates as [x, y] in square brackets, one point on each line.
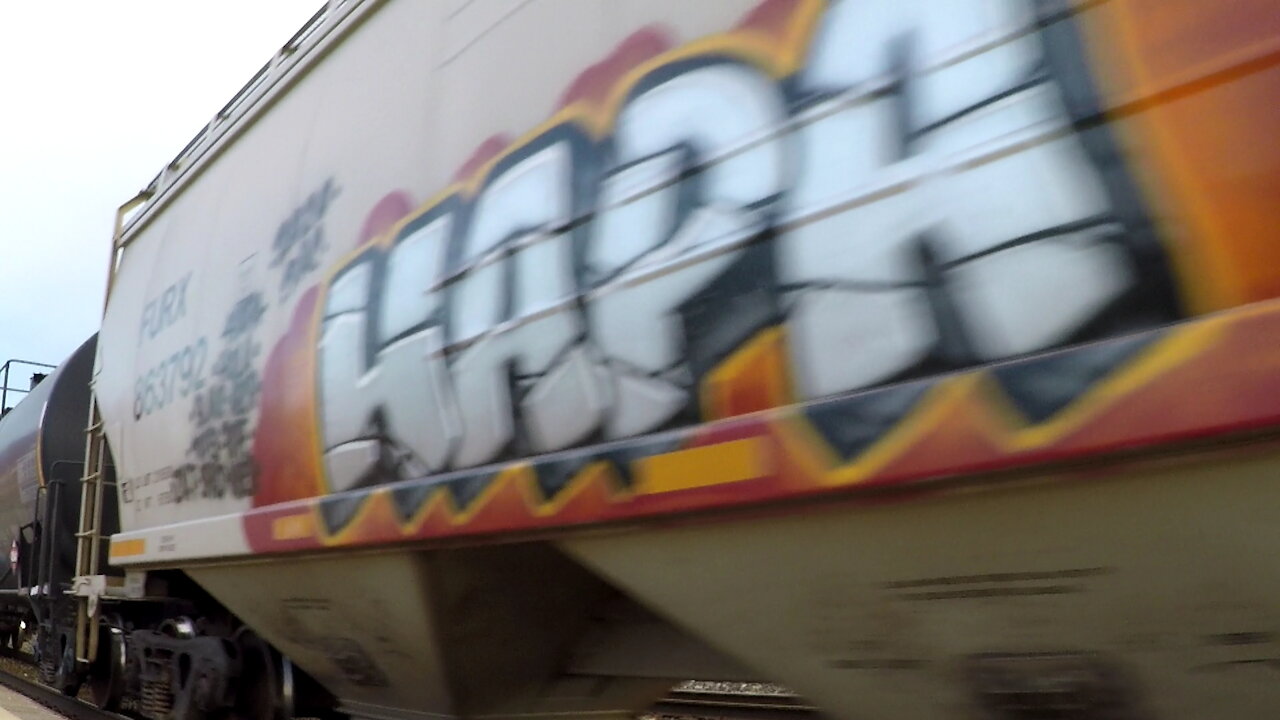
[14, 706]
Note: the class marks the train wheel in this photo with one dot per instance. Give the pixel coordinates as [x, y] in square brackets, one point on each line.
[106, 677]
[266, 681]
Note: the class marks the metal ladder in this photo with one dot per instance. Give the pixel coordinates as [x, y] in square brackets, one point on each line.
[88, 585]
[89, 536]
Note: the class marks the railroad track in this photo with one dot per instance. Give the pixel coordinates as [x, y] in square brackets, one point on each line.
[64, 705]
[679, 702]
[733, 706]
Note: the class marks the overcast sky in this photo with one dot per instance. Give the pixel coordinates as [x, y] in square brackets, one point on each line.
[95, 97]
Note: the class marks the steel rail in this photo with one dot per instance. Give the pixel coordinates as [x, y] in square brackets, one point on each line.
[65, 705]
[734, 706]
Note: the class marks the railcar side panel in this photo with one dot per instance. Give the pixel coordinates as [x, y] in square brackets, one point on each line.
[435, 258]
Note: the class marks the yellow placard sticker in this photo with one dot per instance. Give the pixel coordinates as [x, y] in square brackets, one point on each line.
[127, 548]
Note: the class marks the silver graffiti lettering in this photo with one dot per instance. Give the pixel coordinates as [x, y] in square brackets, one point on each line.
[514, 306]
[714, 124]
[913, 134]
[375, 424]
[914, 197]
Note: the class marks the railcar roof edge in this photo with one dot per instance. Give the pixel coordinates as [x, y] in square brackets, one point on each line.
[334, 21]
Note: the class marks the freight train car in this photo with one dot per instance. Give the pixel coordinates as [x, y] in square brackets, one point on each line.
[41, 463]
[498, 359]
[42, 491]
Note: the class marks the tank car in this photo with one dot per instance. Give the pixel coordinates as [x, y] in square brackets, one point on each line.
[510, 359]
[145, 655]
[41, 464]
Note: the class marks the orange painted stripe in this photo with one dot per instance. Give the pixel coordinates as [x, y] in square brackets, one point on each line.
[127, 548]
[719, 464]
[293, 527]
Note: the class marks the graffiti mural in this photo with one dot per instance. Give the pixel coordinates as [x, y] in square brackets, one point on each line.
[827, 198]
[300, 241]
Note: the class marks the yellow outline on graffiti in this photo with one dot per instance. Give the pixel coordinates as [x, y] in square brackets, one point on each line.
[604, 470]
[1010, 430]
[1018, 433]
[733, 368]
[803, 441]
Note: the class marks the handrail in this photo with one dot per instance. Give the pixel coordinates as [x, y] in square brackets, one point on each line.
[4, 379]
